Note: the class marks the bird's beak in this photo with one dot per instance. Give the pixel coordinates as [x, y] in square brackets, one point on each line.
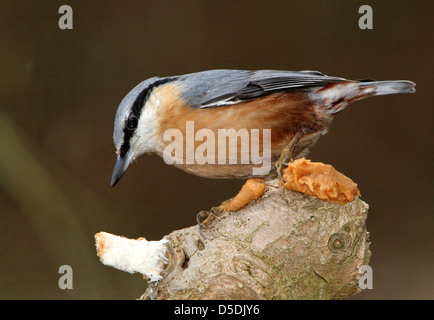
[120, 167]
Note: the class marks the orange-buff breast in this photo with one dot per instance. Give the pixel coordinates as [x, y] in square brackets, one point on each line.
[273, 120]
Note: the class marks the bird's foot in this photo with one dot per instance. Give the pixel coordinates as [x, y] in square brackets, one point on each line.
[287, 154]
[279, 166]
[204, 217]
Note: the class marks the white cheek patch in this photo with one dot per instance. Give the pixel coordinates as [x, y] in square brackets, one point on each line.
[144, 139]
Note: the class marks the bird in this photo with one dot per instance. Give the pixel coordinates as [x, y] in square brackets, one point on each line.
[193, 120]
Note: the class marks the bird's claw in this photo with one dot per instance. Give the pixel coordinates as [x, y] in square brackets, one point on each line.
[279, 170]
[204, 217]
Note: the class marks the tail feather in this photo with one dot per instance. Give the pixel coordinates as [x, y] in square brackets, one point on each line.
[390, 86]
[337, 96]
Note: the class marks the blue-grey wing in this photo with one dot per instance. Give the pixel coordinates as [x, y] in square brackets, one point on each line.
[225, 87]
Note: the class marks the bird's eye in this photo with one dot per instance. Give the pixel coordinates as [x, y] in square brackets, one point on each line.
[132, 122]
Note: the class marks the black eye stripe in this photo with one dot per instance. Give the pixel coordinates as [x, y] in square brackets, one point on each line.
[133, 119]
[126, 145]
[139, 103]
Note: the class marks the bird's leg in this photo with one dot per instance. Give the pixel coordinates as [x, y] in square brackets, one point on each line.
[251, 190]
[287, 154]
[204, 216]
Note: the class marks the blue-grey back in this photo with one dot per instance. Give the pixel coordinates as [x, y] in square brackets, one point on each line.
[222, 87]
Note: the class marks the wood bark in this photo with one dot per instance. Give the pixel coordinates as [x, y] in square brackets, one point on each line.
[285, 245]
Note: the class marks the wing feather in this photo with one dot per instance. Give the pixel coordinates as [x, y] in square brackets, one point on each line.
[225, 87]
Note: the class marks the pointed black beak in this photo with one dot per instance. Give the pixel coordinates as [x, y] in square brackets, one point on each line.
[120, 168]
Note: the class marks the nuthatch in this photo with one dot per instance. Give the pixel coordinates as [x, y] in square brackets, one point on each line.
[296, 108]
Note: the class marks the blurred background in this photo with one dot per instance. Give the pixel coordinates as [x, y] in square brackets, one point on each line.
[60, 90]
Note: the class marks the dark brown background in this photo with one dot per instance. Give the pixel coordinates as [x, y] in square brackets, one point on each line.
[59, 92]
